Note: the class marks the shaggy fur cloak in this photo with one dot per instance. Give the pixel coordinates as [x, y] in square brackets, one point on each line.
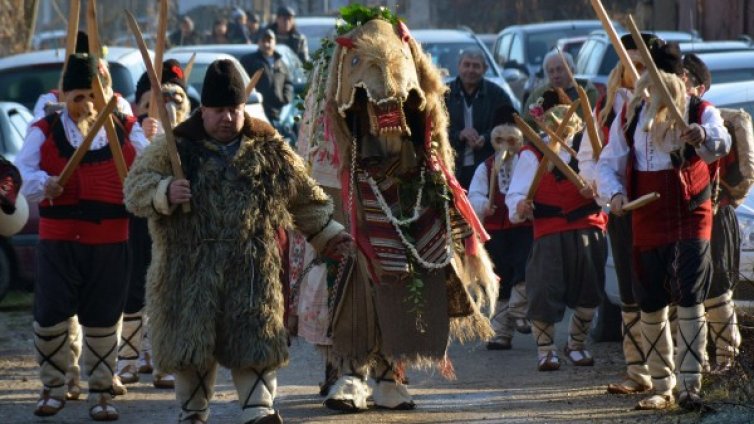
[213, 287]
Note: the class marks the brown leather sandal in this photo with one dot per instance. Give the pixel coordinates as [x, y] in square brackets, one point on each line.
[655, 402]
[579, 357]
[103, 410]
[627, 387]
[47, 405]
[550, 362]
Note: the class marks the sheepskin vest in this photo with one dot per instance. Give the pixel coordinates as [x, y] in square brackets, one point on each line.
[213, 288]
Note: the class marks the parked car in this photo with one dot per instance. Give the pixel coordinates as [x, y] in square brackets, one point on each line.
[571, 45]
[196, 79]
[520, 49]
[315, 28]
[23, 77]
[732, 66]
[444, 47]
[597, 56]
[488, 40]
[17, 254]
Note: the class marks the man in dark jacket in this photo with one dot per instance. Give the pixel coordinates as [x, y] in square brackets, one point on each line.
[275, 84]
[472, 103]
[185, 35]
[285, 30]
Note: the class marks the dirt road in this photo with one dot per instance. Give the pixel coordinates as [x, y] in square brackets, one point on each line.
[492, 387]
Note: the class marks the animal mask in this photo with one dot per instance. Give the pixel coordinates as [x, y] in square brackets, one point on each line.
[385, 94]
[176, 102]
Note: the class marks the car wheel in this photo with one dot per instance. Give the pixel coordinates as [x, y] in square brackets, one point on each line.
[607, 323]
[5, 273]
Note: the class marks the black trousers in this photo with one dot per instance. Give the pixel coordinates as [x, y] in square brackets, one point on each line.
[726, 251]
[87, 280]
[621, 244]
[464, 175]
[678, 273]
[509, 249]
[140, 246]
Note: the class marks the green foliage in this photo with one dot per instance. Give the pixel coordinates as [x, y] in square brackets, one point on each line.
[355, 15]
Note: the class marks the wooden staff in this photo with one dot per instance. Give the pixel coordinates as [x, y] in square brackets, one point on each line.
[253, 82]
[641, 201]
[549, 153]
[70, 41]
[189, 68]
[654, 74]
[159, 51]
[615, 40]
[554, 137]
[175, 159]
[586, 110]
[95, 49]
[80, 151]
[542, 168]
[497, 165]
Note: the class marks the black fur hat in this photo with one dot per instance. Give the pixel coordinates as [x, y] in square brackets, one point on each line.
[171, 73]
[223, 85]
[667, 57]
[628, 41]
[698, 69]
[80, 72]
[554, 97]
[82, 42]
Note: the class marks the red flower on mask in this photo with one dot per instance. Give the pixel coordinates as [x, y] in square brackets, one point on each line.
[177, 71]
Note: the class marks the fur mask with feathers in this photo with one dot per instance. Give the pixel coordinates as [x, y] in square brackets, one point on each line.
[176, 102]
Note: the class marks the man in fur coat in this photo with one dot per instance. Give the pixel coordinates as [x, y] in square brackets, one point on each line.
[649, 152]
[214, 294]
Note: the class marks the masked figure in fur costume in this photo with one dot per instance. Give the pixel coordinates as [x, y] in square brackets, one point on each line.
[396, 302]
[214, 294]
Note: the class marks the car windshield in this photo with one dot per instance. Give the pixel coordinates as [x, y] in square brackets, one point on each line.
[539, 43]
[445, 56]
[24, 85]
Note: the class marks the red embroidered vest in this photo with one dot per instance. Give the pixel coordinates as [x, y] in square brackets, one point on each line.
[500, 219]
[91, 209]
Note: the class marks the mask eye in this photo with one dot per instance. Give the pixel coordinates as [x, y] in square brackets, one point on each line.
[355, 61]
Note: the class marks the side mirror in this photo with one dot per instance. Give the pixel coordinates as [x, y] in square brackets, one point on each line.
[512, 75]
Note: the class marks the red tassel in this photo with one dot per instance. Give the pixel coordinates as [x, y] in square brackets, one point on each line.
[399, 371]
[403, 32]
[346, 42]
[445, 366]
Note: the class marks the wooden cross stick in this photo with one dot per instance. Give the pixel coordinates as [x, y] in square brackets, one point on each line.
[552, 156]
[80, 151]
[159, 51]
[615, 40]
[641, 201]
[554, 137]
[175, 159]
[542, 168]
[95, 49]
[189, 68]
[586, 110]
[654, 74]
[253, 82]
[497, 164]
[70, 41]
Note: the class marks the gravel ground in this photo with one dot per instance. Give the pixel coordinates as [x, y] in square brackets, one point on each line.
[492, 387]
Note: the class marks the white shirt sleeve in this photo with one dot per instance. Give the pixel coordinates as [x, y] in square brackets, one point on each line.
[718, 141]
[587, 164]
[523, 176]
[611, 167]
[27, 162]
[124, 106]
[42, 101]
[479, 189]
[138, 139]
